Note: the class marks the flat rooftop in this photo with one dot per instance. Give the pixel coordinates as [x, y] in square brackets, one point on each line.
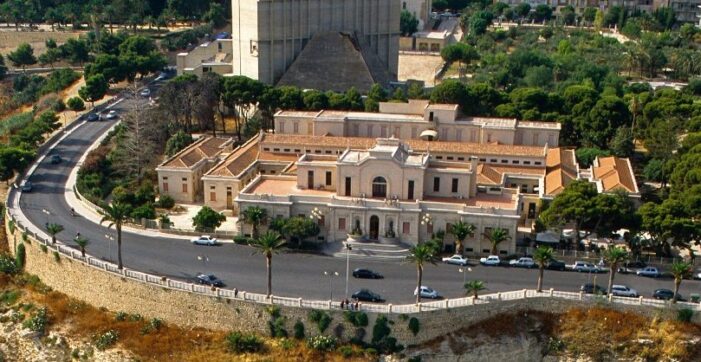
[279, 187]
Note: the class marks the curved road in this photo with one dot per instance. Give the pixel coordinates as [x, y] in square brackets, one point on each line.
[294, 275]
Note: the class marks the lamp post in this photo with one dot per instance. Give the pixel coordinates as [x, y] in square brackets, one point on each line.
[427, 220]
[48, 213]
[109, 238]
[318, 215]
[348, 249]
[330, 275]
[464, 271]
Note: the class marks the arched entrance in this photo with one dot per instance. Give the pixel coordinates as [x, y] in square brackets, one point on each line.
[374, 227]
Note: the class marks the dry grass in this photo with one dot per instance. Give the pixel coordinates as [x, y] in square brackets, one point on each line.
[10, 40]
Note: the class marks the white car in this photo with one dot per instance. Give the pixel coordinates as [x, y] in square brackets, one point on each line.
[456, 259]
[145, 93]
[427, 292]
[490, 260]
[205, 240]
[650, 271]
[524, 262]
[623, 291]
[111, 115]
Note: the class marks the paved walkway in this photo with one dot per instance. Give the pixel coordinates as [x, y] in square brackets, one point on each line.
[183, 220]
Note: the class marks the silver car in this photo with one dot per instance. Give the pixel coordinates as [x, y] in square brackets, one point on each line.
[623, 291]
[427, 292]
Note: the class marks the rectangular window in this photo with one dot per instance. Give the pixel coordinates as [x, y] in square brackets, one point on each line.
[493, 160]
[276, 149]
[504, 161]
[406, 228]
[287, 150]
[184, 188]
[266, 149]
[397, 132]
[450, 158]
[295, 127]
[165, 187]
[310, 180]
[297, 150]
[212, 196]
[526, 162]
[515, 162]
[439, 157]
[454, 186]
[461, 158]
[383, 131]
[538, 163]
[348, 186]
[342, 223]
[448, 227]
[328, 178]
[410, 190]
[436, 184]
[281, 127]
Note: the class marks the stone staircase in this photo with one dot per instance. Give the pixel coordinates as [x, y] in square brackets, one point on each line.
[369, 250]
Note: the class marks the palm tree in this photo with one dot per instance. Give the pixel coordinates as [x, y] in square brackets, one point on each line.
[542, 255]
[474, 287]
[53, 229]
[267, 244]
[680, 270]
[635, 107]
[254, 216]
[496, 236]
[614, 256]
[116, 214]
[82, 242]
[461, 230]
[419, 255]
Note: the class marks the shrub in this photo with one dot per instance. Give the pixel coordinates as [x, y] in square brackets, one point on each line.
[20, 256]
[321, 319]
[44, 248]
[685, 315]
[287, 344]
[135, 317]
[357, 319]
[414, 325]
[242, 240]
[381, 339]
[152, 326]
[9, 297]
[346, 351]
[106, 340]
[146, 211]
[38, 322]
[299, 329]
[8, 264]
[166, 202]
[240, 343]
[321, 343]
[120, 316]
[57, 256]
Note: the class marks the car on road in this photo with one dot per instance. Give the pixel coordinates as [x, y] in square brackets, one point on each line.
[492, 260]
[145, 93]
[649, 271]
[162, 76]
[665, 294]
[584, 267]
[205, 240]
[366, 274]
[209, 279]
[55, 159]
[427, 292]
[556, 265]
[93, 117]
[365, 295]
[590, 288]
[26, 186]
[111, 115]
[631, 267]
[523, 262]
[623, 291]
[456, 259]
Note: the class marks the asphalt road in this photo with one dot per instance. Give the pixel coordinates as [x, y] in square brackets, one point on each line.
[294, 274]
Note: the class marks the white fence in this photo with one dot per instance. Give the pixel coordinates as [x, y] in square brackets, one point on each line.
[466, 302]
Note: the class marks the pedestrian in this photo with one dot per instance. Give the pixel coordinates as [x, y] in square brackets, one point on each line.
[236, 293]
[357, 305]
[343, 303]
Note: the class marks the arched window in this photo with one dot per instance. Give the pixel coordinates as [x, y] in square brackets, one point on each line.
[379, 187]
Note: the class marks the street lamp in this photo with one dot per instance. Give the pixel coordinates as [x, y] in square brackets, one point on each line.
[348, 249]
[48, 213]
[316, 214]
[427, 220]
[330, 275]
[109, 238]
[464, 272]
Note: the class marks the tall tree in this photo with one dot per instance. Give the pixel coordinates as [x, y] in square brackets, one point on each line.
[408, 23]
[614, 256]
[268, 244]
[254, 216]
[94, 89]
[116, 214]
[22, 56]
[573, 204]
[420, 255]
[496, 237]
[679, 270]
[241, 94]
[542, 256]
[461, 230]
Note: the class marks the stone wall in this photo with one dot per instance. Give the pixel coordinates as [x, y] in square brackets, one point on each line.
[102, 289]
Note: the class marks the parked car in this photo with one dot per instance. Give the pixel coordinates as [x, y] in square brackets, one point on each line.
[666, 294]
[556, 265]
[55, 159]
[590, 288]
[366, 295]
[491, 260]
[93, 117]
[523, 262]
[145, 93]
[366, 274]
[112, 115]
[209, 279]
[623, 291]
[650, 271]
[26, 186]
[205, 240]
[631, 267]
[427, 292]
[162, 76]
[456, 259]
[584, 267]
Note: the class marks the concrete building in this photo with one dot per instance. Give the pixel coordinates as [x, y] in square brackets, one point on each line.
[418, 119]
[269, 35]
[421, 9]
[214, 56]
[440, 32]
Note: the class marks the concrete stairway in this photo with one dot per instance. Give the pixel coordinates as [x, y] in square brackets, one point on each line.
[369, 250]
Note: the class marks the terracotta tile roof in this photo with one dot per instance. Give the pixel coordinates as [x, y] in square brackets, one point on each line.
[614, 173]
[415, 145]
[561, 170]
[275, 156]
[237, 161]
[494, 175]
[207, 147]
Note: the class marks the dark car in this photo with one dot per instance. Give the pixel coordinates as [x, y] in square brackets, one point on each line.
[556, 265]
[93, 117]
[631, 267]
[590, 288]
[666, 294]
[56, 159]
[209, 279]
[365, 295]
[366, 274]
